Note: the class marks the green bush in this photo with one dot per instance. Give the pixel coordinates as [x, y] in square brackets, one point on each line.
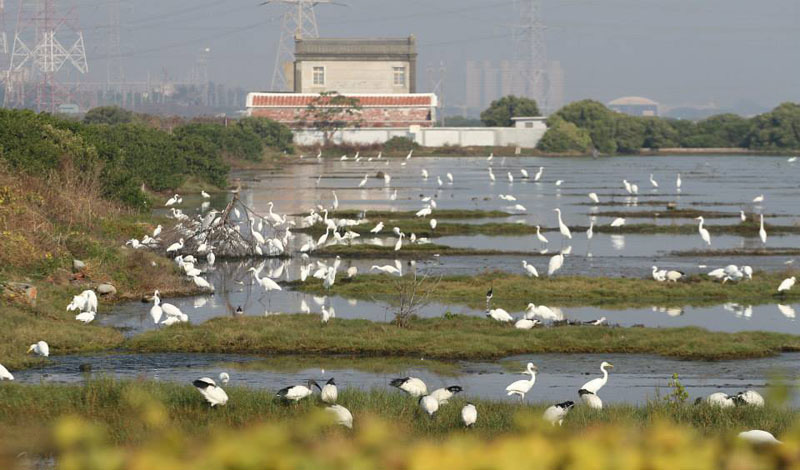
[399, 144]
[563, 137]
[500, 112]
[272, 133]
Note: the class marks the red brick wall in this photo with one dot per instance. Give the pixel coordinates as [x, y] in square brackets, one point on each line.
[369, 117]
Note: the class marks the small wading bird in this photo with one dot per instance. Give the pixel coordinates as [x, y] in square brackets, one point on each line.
[521, 387]
[5, 374]
[411, 385]
[341, 415]
[296, 393]
[703, 231]
[442, 395]
[588, 392]
[213, 394]
[555, 414]
[40, 349]
[469, 415]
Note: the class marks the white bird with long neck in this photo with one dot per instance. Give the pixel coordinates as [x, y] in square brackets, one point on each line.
[562, 227]
[541, 237]
[678, 182]
[704, 234]
[5, 374]
[590, 230]
[530, 269]
[399, 243]
[761, 232]
[491, 175]
[521, 387]
[588, 392]
[594, 198]
[555, 264]
[538, 174]
[653, 181]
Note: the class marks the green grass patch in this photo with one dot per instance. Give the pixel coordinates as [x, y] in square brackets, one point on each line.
[457, 337]
[134, 412]
[514, 292]
[375, 365]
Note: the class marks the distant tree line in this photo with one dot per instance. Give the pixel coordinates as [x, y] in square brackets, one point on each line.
[584, 125]
[133, 150]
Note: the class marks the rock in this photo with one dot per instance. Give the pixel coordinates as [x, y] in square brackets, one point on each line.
[380, 174]
[78, 265]
[20, 292]
[85, 367]
[106, 289]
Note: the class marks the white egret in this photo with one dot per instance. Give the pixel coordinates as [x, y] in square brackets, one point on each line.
[157, 231]
[559, 182]
[85, 317]
[521, 387]
[444, 394]
[490, 157]
[722, 400]
[341, 415]
[40, 349]
[590, 230]
[387, 179]
[555, 264]
[659, 275]
[434, 222]
[469, 415]
[562, 227]
[335, 200]
[205, 195]
[761, 232]
[674, 275]
[399, 243]
[155, 311]
[363, 182]
[329, 393]
[530, 269]
[424, 212]
[539, 235]
[703, 231]
[594, 385]
[5, 374]
[265, 282]
[224, 377]
[213, 394]
[653, 181]
[520, 207]
[618, 222]
[296, 393]
[175, 247]
[491, 175]
[758, 199]
[544, 312]
[429, 404]
[327, 314]
[411, 385]
[555, 414]
[498, 314]
[352, 271]
[524, 172]
[386, 269]
[173, 200]
[678, 182]
[742, 216]
[450, 177]
[538, 174]
[786, 284]
[627, 186]
[748, 271]
[510, 177]
[424, 173]
[757, 436]
[525, 324]
[594, 198]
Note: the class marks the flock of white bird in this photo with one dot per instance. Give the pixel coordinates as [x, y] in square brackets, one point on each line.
[269, 235]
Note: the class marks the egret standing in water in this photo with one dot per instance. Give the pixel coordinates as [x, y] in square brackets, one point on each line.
[555, 264]
[703, 231]
[761, 232]
[588, 392]
[541, 237]
[562, 227]
[521, 387]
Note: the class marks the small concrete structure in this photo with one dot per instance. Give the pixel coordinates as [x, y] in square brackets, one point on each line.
[523, 137]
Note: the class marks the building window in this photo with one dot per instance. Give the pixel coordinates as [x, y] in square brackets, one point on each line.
[399, 76]
[319, 75]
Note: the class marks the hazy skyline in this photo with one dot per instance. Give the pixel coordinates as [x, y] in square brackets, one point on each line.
[676, 52]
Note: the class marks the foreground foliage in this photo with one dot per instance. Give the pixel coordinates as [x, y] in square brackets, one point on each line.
[108, 425]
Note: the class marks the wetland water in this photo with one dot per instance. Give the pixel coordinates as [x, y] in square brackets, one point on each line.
[722, 184]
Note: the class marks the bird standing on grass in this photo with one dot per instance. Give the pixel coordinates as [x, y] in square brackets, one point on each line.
[555, 414]
[588, 392]
[445, 394]
[469, 415]
[213, 394]
[40, 349]
[329, 393]
[342, 415]
[429, 404]
[411, 385]
[296, 393]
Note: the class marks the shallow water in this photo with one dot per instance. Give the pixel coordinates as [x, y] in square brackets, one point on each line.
[634, 379]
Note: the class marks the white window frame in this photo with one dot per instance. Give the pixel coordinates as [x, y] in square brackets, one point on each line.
[401, 72]
[314, 70]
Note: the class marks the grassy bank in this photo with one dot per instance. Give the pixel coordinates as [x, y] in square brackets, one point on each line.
[449, 338]
[513, 292]
[45, 223]
[130, 411]
[421, 227]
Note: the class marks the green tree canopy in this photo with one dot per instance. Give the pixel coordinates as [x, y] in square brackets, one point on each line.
[777, 129]
[564, 137]
[108, 115]
[595, 118]
[500, 112]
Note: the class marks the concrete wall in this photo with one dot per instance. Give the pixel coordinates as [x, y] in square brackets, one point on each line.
[352, 77]
[432, 137]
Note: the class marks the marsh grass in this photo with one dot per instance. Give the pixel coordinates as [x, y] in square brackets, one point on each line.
[375, 365]
[130, 411]
[457, 337]
[513, 292]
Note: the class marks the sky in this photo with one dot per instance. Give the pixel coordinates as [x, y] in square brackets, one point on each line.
[723, 53]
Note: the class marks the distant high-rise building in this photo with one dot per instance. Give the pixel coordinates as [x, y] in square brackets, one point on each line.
[491, 89]
[473, 85]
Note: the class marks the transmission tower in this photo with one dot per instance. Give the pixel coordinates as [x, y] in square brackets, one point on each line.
[38, 55]
[529, 51]
[3, 36]
[299, 21]
[437, 77]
